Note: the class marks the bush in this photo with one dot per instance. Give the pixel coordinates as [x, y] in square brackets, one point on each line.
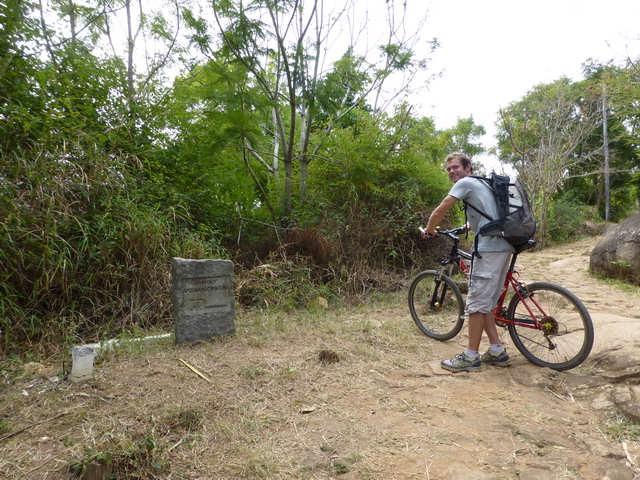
[569, 221]
[82, 256]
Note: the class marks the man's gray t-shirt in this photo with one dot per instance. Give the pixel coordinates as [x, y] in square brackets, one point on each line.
[479, 194]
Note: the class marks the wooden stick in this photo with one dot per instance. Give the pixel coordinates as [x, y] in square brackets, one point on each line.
[626, 452]
[194, 370]
[13, 434]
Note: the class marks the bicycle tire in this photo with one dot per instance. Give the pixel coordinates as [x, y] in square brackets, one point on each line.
[568, 336]
[436, 306]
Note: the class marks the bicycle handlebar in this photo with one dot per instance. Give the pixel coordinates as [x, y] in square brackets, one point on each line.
[449, 233]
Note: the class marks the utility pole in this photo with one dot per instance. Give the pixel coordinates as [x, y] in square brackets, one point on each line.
[605, 139]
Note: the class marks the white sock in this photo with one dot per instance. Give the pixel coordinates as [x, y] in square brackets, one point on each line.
[472, 353]
[496, 349]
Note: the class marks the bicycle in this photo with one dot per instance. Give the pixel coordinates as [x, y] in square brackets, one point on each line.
[547, 323]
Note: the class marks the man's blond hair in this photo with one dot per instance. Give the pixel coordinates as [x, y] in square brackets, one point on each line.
[465, 160]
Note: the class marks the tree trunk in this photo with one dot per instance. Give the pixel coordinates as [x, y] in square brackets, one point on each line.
[130, 46]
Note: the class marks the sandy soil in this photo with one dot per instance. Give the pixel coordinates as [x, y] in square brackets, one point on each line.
[386, 410]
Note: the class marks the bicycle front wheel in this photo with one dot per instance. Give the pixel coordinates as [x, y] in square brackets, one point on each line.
[436, 306]
[567, 335]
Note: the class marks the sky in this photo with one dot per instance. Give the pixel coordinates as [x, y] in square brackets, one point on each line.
[492, 52]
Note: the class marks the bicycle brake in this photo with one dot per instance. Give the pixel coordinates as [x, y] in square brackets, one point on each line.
[523, 289]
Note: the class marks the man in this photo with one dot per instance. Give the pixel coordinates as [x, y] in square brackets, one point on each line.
[488, 271]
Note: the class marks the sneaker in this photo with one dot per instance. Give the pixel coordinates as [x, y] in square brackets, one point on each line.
[501, 360]
[462, 363]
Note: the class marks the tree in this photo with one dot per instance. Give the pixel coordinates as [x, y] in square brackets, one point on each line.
[463, 137]
[384, 175]
[621, 94]
[283, 47]
[544, 137]
[20, 102]
[214, 111]
[82, 239]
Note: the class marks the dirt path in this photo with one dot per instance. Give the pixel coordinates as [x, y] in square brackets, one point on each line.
[556, 416]
[525, 422]
[614, 312]
[269, 409]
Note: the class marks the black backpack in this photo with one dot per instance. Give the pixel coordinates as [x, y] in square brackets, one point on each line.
[515, 222]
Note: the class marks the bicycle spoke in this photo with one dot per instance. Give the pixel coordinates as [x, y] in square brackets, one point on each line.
[436, 306]
[566, 337]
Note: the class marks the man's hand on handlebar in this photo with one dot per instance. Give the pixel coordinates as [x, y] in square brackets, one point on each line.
[426, 233]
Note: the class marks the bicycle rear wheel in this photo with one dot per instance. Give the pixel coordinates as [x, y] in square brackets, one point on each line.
[436, 306]
[567, 337]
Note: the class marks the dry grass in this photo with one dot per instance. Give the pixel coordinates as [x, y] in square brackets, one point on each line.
[145, 413]
[348, 392]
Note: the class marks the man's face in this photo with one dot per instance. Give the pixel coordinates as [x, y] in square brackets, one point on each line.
[456, 171]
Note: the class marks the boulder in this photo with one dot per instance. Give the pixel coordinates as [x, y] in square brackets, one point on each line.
[617, 255]
[617, 365]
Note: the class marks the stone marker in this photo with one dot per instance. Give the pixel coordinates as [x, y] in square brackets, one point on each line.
[202, 294]
[82, 362]
[83, 356]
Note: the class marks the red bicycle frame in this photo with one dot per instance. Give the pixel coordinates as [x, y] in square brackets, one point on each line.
[519, 288]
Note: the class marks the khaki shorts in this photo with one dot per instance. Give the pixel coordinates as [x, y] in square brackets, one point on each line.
[486, 281]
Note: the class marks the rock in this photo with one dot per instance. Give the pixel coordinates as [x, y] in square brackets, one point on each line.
[618, 364]
[617, 255]
[612, 470]
[532, 376]
[602, 449]
[548, 434]
[593, 228]
[554, 460]
[626, 400]
[602, 402]
[462, 472]
[537, 474]
[202, 297]
[463, 285]
[580, 386]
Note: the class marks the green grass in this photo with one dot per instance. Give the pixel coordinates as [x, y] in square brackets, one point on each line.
[617, 283]
[620, 428]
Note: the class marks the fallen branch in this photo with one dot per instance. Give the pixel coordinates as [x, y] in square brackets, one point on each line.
[631, 461]
[195, 371]
[13, 434]
[82, 394]
[560, 396]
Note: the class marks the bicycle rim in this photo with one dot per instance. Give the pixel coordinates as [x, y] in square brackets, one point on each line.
[567, 337]
[436, 306]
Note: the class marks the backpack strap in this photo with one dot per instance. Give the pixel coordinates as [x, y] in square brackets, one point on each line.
[474, 252]
[467, 204]
[485, 181]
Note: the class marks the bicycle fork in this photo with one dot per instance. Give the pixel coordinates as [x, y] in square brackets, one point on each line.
[435, 302]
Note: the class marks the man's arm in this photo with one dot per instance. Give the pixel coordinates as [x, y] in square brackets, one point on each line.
[438, 214]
